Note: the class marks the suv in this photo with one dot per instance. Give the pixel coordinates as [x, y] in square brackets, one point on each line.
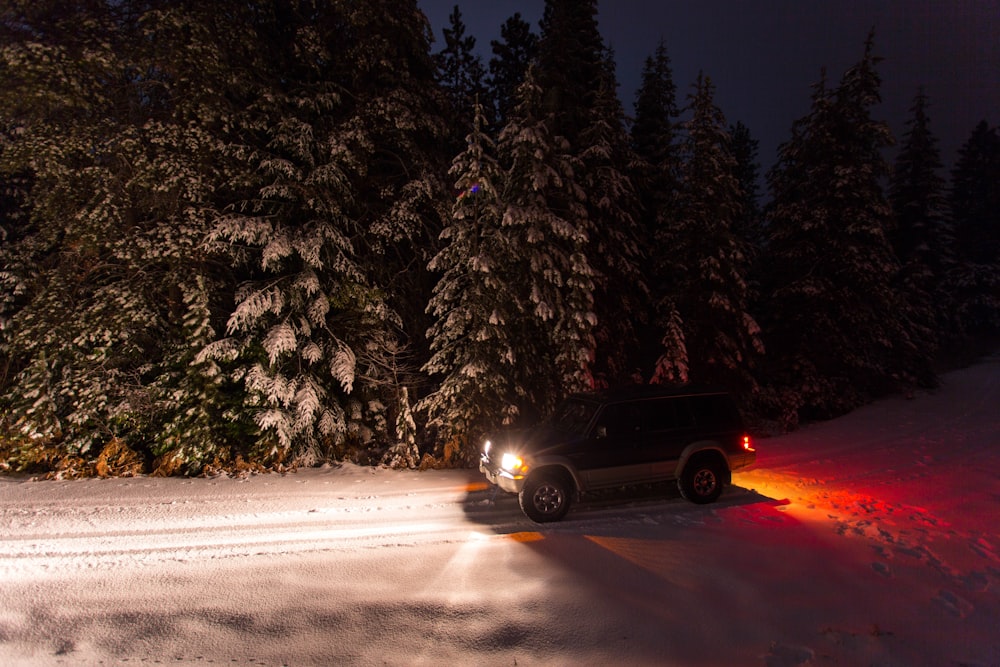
[635, 435]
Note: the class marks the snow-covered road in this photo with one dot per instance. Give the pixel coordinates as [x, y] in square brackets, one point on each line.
[869, 540]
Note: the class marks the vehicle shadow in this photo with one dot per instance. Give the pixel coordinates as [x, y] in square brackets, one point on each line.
[614, 511]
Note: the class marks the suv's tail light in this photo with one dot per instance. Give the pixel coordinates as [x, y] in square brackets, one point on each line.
[747, 445]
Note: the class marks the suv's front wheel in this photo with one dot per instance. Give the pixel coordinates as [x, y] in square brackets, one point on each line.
[545, 497]
[701, 482]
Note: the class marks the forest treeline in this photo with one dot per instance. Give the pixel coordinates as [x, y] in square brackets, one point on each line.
[256, 234]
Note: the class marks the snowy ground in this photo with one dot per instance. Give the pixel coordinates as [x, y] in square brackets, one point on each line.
[869, 540]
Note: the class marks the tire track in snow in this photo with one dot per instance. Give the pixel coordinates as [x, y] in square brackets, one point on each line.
[47, 539]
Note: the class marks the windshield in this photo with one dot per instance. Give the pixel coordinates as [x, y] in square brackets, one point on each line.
[573, 415]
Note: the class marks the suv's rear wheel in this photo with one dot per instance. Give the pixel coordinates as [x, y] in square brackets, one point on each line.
[701, 482]
[545, 497]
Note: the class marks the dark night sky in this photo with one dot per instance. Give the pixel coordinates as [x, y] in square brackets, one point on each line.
[764, 55]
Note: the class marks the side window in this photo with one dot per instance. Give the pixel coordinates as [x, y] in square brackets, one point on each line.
[717, 411]
[618, 420]
[667, 414]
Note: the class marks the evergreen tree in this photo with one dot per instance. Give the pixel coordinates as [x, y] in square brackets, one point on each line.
[654, 130]
[615, 248]
[546, 222]
[571, 66]
[921, 236]
[15, 225]
[44, 59]
[303, 138]
[402, 128]
[654, 139]
[975, 206]
[461, 72]
[836, 331]
[339, 153]
[706, 259]
[512, 55]
[474, 305]
[579, 103]
[292, 225]
[749, 226]
[118, 169]
[207, 55]
[975, 190]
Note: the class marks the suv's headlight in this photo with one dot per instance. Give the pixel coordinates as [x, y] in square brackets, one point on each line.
[513, 463]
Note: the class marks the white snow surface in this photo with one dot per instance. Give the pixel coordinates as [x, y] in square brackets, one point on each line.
[868, 540]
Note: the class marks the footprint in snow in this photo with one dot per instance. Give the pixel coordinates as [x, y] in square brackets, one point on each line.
[953, 604]
[976, 582]
[882, 568]
[783, 655]
[982, 549]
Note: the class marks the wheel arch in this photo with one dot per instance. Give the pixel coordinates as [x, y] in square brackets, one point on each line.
[557, 467]
[707, 448]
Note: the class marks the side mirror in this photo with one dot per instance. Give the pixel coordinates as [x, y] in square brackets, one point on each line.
[601, 432]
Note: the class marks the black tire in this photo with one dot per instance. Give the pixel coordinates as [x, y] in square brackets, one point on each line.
[702, 480]
[545, 497]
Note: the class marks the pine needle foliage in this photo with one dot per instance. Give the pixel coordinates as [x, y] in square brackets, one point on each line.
[321, 219]
[475, 306]
[117, 184]
[706, 259]
[974, 201]
[922, 232]
[546, 221]
[837, 330]
[213, 208]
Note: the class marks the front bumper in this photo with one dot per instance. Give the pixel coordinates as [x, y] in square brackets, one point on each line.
[500, 477]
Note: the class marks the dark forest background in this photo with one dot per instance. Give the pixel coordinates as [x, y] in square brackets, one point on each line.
[248, 235]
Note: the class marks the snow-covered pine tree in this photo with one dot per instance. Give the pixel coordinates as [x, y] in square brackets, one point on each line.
[398, 119]
[195, 399]
[474, 306]
[974, 199]
[305, 307]
[575, 73]
[403, 194]
[654, 138]
[546, 223]
[910, 357]
[337, 147]
[15, 226]
[615, 248]
[921, 234]
[208, 60]
[44, 63]
[836, 331]
[512, 54]
[793, 246]
[120, 170]
[705, 257]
